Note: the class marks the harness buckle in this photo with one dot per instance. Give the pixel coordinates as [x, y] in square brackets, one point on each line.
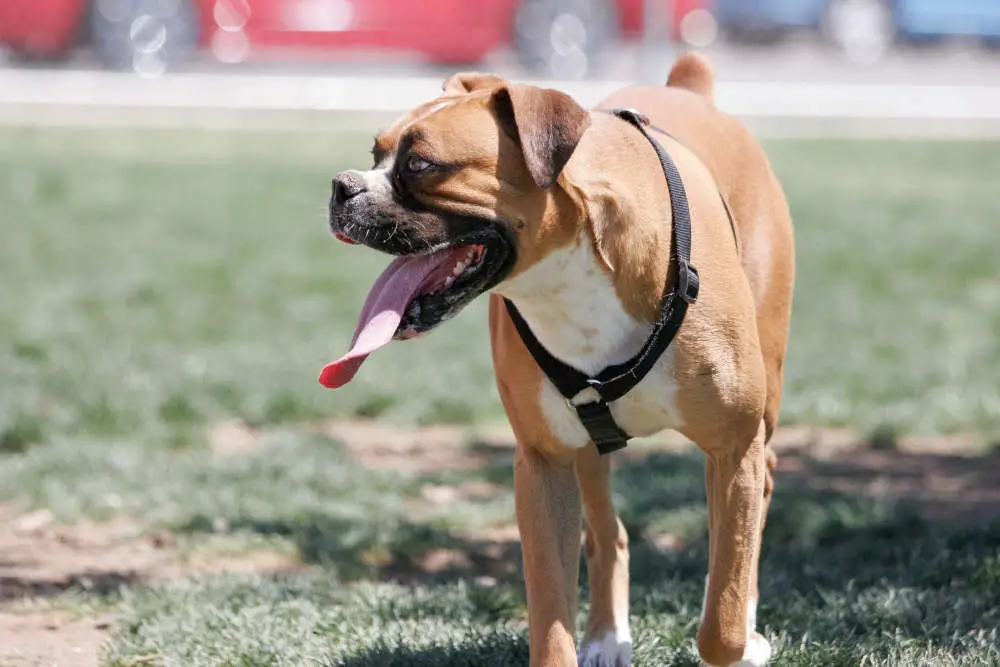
[688, 283]
[600, 424]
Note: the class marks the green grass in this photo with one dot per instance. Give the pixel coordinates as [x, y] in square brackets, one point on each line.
[845, 580]
[897, 303]
[156, 282]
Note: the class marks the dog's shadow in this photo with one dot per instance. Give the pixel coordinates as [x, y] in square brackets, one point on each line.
[832, 523]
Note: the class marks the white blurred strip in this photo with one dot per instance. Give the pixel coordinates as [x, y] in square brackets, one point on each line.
[393, 94]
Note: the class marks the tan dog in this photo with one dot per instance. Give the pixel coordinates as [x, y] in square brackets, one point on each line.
[519, 191]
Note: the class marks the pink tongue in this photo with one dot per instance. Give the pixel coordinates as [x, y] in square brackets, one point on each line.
[402, 280]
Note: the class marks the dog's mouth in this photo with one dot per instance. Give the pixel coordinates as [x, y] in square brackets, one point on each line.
[419, 291]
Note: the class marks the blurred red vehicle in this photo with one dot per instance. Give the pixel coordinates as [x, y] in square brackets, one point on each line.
[554, 37]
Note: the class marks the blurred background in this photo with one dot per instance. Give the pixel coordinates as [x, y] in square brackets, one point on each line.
[177, 489]
[385, 55]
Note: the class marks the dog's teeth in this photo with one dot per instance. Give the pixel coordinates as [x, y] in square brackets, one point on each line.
[459, 268]
[448, 281]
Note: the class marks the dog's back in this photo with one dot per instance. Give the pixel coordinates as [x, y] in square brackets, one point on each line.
[685, 108]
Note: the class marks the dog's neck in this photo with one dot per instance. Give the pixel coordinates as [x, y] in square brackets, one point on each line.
[572, 306]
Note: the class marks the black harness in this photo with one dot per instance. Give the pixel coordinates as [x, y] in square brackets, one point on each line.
[615, 381]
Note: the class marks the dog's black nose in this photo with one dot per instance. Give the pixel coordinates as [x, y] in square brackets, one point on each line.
[346, 185]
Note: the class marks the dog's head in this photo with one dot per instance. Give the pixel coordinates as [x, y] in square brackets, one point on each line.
[464, 192]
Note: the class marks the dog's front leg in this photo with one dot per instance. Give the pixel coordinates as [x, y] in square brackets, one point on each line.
[607, 641]
[548, 518]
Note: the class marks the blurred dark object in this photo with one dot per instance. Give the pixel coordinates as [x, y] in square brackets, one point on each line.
[562, 38]
[863, 29]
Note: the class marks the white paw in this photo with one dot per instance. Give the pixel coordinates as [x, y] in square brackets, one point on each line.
[613, 650]
[757, 652]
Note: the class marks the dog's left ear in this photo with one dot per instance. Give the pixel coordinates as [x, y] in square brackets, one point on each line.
[467, 82]
[546, 123]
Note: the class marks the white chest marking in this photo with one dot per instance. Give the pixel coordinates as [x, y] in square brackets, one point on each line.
[573, 309]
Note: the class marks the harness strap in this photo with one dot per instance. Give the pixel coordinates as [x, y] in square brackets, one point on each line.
[615, 381]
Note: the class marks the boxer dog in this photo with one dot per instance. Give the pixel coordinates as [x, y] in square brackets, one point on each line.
[589, 243]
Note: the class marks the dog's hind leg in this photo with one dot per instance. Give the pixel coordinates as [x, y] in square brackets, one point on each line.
[770, 463]
[736, 478]
[607, 640]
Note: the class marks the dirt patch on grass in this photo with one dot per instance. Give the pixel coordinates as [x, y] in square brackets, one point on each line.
[41, 560]
[383, 447]
[425, 449]
[46, 638]
[946, 477]
[942, 477]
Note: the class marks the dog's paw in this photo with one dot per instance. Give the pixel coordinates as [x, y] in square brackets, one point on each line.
[611, 650]
[756, 654]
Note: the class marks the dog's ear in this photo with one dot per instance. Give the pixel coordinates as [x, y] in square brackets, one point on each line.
[467, 82]
[546, 123]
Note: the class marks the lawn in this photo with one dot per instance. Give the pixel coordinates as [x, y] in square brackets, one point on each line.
[157, 283]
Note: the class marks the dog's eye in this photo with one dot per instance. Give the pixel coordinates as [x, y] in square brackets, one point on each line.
[416, 164]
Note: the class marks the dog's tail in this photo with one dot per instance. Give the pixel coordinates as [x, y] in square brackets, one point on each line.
[692, 71]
